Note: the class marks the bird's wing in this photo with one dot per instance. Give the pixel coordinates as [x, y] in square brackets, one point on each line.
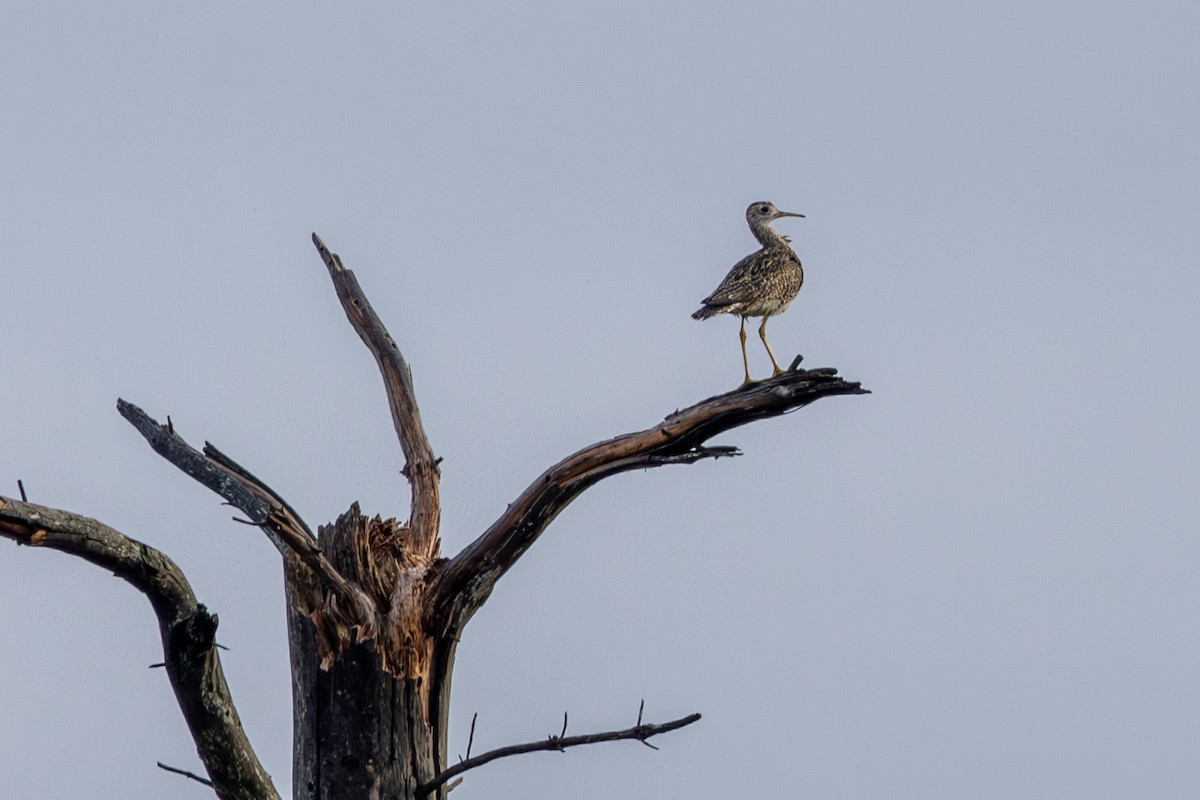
[742, 282]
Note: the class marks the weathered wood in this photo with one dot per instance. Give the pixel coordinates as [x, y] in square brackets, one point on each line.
[361, 722]
[188, 633]
[306, 743]
[462, 584]
[237, 485]
[365, 718]
[421, 467]
[312, 577]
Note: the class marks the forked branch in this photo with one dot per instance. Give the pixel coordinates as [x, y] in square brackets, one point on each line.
[421, 468]
[188, 635]
[641, 732]
[243, 491]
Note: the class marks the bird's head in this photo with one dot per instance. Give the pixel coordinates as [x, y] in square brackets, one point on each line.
[763, 212]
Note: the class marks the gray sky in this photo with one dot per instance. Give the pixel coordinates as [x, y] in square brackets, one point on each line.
[979, 581]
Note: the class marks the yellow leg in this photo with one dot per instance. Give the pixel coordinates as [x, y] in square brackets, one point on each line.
[762, 334]
[745, 360]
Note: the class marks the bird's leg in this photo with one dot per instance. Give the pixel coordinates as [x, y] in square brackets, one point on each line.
[745, 360]
[762, 334]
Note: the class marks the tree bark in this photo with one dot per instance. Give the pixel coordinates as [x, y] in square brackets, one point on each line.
[374, 612]
[188, 635]
[362, 727]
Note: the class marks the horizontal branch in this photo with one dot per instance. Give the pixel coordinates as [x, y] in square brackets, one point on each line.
[421, 467]
[243, 491]
[461, 584]
[640, 732]
[188, 633]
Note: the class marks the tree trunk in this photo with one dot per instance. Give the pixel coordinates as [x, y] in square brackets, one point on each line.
[360, 731]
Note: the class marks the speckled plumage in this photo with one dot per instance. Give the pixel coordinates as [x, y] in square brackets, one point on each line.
[761, 284]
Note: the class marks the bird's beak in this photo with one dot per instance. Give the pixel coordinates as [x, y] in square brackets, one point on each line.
[788, 214]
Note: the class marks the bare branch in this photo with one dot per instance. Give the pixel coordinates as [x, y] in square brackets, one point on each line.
[147, 569]
[188, 634]
[421, 468]
[471, 737]
[184, 773]
[461, 584]
[256, 485]
[168, 444]
[639, 732]
[244, 491]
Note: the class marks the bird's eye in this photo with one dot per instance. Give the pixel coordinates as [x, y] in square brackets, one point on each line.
[763, 209]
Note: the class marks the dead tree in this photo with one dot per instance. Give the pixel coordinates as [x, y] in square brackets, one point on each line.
[374, 609]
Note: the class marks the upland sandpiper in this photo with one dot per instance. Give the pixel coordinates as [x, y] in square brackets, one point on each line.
[761, 284]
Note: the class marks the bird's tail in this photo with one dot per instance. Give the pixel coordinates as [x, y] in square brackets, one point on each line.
[708, 311]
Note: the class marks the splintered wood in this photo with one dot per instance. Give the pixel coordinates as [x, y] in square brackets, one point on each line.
[376, 557]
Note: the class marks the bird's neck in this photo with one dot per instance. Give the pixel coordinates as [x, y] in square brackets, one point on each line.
[767, 237]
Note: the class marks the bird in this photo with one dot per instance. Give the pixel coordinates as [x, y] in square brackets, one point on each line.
[760, 285]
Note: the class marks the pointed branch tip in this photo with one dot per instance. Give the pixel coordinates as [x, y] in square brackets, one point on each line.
[471, 737]
[185, 773]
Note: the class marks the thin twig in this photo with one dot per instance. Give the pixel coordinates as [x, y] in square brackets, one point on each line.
[639, 732]
[21, 489]
[185, 774]
[471, 738]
